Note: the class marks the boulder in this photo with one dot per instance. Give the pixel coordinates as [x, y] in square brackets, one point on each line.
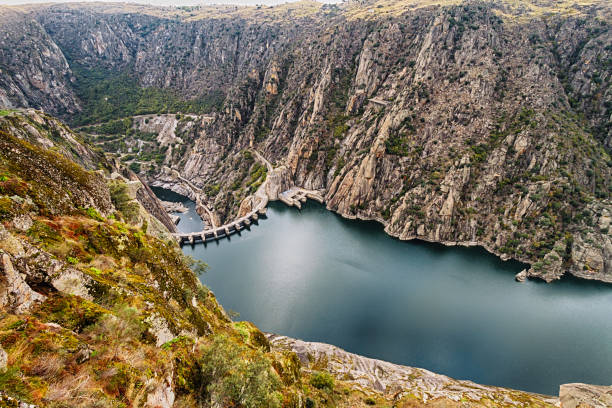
[577, 395]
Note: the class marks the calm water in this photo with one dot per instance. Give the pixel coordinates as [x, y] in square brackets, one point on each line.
[457, 311]
[189, 221]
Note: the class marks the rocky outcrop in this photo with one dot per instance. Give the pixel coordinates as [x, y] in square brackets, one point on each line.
[585, 396]
[8, 401]
[153, 206]
[33, 67]
[35, 150]
[3, 359]
[162, 395]
[15, 294]
[171, 206]
[396, 380]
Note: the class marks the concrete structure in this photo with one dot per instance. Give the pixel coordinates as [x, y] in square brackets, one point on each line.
[223, 231]
[295, 196]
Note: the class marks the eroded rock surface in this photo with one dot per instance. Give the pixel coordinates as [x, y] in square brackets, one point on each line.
[585, 396]
[393, 379]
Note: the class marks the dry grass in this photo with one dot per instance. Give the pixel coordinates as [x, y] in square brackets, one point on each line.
[19, 353]
[280, 12]
[77, 389]
[103, 262]
[513, 10]
[388, 8]
[524, 10]
[48, 365]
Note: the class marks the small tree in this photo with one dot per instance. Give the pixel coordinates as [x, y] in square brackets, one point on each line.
[322, 380]
[233, 375]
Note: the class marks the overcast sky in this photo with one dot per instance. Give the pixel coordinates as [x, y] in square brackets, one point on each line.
[163, 2]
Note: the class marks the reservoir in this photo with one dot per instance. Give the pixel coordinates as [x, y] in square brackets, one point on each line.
[457, 311]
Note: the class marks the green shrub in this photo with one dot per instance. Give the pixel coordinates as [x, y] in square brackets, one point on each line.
[41, 232]
[109, 95]
[322, 380]
[113, 127]
[135, 167]
[198, 266]
[370, 401]
[212, 189]
[233, 375]
[6, 207]
[94, 214]
[396, 145]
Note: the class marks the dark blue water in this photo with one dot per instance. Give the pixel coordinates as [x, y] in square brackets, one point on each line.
[457, 311]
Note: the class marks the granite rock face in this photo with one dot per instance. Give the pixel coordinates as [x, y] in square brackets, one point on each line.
[16, 295]
[34, 70]
[397, 380]
[585, 396]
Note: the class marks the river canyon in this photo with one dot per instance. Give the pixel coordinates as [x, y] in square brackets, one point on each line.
[427, 151]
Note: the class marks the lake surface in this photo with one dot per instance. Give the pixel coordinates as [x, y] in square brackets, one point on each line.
[190, 221]
[457, 311]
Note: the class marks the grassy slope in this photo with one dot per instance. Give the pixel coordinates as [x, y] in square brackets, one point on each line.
[100, 348]
[72, 350]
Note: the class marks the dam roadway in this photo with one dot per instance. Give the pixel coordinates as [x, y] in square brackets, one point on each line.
[223, 231]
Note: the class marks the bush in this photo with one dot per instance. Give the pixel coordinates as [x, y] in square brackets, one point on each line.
[109, 95]
[198, 266]
[212, 189]
[396, 145]
[322, 380]
[233, 375]
[113, 127]
[41, 232]
[94, 214]
[135, 167]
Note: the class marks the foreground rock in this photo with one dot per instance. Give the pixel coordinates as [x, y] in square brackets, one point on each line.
[402, 381]
[585, 396]
[521, 276]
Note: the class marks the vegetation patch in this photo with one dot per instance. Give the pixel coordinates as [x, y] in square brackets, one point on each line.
[107, 95]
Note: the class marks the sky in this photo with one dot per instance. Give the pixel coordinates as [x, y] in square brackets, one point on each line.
[160, 2]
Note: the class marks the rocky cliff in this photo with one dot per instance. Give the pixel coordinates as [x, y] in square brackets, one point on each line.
[469, 123]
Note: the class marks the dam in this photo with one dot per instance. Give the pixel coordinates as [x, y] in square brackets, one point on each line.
[223, 231]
